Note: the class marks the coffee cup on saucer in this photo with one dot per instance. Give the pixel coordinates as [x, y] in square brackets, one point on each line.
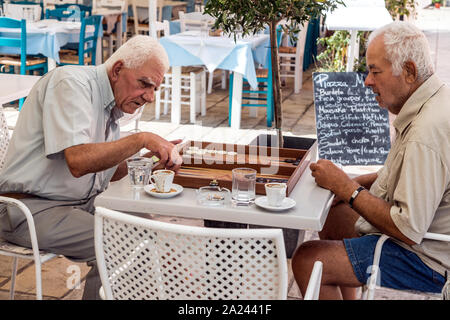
[162, 180]
[275, 193]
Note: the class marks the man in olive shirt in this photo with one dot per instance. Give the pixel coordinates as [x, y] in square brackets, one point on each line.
[65, 148]
[408, 197]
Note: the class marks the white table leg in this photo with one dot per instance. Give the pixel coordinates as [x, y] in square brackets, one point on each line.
[236, 103]
[51, 64]
[99, 52]
[175, 115]
[351, 51]
[119, 32]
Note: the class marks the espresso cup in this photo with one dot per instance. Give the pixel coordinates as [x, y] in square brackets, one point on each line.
[162, 180]
[275, 193]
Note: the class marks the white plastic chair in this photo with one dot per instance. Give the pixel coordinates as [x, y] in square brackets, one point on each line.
[369, 289]
[193, 80]
[291, 59]
[197, 21]
[140, 258]
[15, 251]
[10, 249]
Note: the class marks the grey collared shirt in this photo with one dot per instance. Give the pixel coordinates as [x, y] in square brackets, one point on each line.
[69, 106]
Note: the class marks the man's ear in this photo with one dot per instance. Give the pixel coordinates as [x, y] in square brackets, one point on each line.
[410, 70]
[116, 69]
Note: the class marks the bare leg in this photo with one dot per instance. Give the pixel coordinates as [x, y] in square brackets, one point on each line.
[338, 279]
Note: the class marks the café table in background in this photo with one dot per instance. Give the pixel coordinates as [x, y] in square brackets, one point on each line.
[47, 36]
[358, 15]
[190, 48]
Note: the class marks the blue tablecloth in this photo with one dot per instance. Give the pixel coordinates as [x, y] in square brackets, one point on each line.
[40, 41]
[239, 57]
[310, 52]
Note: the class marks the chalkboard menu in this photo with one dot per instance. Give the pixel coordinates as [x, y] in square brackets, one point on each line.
[352, 129]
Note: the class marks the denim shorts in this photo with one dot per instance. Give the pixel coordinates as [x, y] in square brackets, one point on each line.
[399, 268]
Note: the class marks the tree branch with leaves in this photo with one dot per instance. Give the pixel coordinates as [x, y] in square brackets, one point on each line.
[252, 16]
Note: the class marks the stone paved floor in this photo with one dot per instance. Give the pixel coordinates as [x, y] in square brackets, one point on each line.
[64, 279]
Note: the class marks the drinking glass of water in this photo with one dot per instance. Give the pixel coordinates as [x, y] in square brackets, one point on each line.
[139, 171]
[243, 189]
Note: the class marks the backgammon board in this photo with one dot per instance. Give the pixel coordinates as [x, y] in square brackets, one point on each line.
[207, 161]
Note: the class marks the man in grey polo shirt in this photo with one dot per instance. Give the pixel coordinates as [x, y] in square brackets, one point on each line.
[408, 197]
[66, 148]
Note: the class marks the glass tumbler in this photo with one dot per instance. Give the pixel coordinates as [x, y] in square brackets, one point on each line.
[243, 188]
[139, 171]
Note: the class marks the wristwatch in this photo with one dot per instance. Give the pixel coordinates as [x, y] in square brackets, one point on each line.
[354, 195]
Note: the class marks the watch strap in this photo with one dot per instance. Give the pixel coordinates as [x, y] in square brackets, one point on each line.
[354, 195]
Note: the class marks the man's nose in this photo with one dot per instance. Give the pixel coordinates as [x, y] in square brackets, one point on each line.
[149, 96]
[369, 81]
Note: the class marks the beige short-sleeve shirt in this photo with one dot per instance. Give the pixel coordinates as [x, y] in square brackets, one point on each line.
[415, 178]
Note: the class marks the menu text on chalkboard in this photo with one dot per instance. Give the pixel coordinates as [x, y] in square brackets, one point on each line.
[352, 129]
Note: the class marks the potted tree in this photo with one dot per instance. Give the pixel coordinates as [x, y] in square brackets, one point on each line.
[252, 16]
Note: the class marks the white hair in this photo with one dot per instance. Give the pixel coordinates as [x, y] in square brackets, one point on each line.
[405, 42]
[137, 51]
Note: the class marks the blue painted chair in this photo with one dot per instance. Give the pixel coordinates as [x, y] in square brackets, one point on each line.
[81, 7]
[62, 14]
[25, 63]
[265, 87]
[86, 47]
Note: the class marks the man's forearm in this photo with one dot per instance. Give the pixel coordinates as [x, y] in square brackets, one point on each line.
[94, 157]
[375, 210]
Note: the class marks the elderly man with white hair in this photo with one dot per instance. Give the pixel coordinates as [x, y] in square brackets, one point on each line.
[405, 199]
[66, 148]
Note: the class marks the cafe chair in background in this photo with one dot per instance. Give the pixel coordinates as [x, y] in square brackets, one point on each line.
[12, 250]
[291, 58]
[368, 291]
[197, 21]
[87, 46]
[262, 96]
[63, 14]
[81, 7]
[22, 61]
[141, 258]
[193, 81]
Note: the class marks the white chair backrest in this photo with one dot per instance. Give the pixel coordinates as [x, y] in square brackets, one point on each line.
[122, 5]
[29, 12]
[194, 20]
[146, 259]
[158, 26]
[4, 137]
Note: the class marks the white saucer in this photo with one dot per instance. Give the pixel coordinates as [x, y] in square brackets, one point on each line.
[286, 204]
[149, 189]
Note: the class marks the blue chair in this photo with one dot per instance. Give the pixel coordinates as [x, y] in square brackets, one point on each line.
[86, 47]
[265, 87]
[25, 63]
[62, 14]
[81, 7]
